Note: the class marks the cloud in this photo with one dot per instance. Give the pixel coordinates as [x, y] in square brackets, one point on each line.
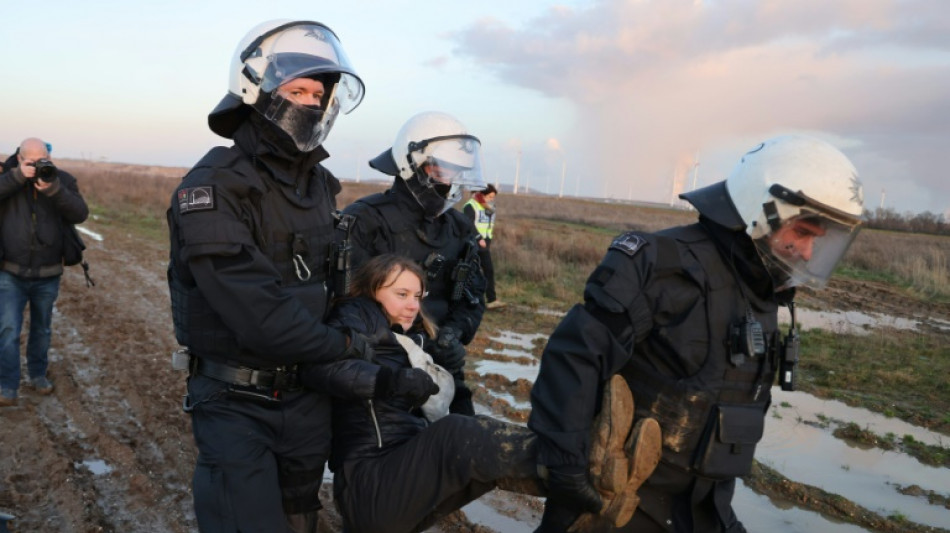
[657, 83]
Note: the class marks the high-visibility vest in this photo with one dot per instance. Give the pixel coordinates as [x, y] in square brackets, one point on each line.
[484, 221]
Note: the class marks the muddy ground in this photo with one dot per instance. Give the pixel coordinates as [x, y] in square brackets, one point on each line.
[110, 449]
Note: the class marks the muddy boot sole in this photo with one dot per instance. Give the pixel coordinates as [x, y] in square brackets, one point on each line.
[621, 458]
[644, 449]
[609, 466]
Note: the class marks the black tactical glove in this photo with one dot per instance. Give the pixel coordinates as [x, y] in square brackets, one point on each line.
[448, 350]
[413, 384]
[358, 346]
[569, 487]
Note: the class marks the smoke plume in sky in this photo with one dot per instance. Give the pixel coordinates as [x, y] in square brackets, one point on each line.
[660, 86]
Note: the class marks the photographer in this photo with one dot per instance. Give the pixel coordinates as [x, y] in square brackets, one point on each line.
[36, 200]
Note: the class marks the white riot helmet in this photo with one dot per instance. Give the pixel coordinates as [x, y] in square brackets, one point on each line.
[798, 198]
[278, 51]
[437, 158]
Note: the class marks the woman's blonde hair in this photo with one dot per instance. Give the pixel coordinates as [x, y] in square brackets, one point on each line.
[373, 275]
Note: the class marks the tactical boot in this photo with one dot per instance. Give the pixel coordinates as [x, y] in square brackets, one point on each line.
[621, 459]
[608, 462]
[643, 448]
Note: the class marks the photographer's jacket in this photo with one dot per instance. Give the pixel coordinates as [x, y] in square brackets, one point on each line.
[394, 222]
[661, 310]
[31, 223]
[251, 228]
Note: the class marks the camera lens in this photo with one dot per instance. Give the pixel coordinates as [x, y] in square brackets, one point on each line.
[45, 170]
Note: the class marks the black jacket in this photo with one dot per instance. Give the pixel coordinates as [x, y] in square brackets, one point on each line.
[32, 222]
[365, 425]
[394, 222]
[659, 310]
[250, 229]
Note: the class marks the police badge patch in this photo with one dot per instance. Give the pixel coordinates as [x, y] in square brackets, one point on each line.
[196, 199]
[628, 243]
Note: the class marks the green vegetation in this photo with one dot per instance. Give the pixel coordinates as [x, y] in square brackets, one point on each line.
[898, 373]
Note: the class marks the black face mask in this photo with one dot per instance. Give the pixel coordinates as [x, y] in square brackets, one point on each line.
[430, 196]
[303, 123]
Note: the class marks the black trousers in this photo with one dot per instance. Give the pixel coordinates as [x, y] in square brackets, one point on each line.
[484, 256]
[450, 463]
[256, 463]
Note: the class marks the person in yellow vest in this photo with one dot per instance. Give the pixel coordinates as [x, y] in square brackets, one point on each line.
[481, 210]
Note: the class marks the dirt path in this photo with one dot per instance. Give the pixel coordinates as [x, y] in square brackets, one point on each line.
[109, 450]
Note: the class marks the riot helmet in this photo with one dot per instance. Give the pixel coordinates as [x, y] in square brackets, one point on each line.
[275, 53]
[800, 201]
[437, 158]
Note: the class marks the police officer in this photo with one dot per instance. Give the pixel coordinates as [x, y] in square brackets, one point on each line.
[433, 158]
[480, 209]
[251, 227]
[688, 316]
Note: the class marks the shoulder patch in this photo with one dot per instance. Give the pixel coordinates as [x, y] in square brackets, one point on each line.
[628, 243]
[196, 199]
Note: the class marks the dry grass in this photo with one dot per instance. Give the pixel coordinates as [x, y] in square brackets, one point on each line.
[542, 243]
[918, 261]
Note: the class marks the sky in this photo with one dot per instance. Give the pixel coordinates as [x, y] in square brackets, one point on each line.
[628, 99]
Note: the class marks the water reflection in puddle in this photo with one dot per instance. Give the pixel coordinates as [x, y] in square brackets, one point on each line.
[525, 341]
[510, 370]
[851, 322]
[812, 455]
[509, 352]
[98, 467]
[759, 513]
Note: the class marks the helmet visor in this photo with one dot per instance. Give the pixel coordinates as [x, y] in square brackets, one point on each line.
[305, 51]
[452, 160]
[805, 250]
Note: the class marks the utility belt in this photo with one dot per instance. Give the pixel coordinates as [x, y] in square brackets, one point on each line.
[248, 383]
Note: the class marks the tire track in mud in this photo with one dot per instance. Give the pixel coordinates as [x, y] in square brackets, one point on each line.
[116, 406]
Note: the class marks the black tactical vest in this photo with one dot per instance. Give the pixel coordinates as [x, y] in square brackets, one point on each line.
[438, 255]
[690, 371]
[296, 240]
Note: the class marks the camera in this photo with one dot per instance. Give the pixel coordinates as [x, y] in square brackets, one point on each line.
[45, 170]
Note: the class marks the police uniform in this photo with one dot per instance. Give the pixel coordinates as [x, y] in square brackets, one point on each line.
[250, 228]
[667, 311]
[394, 222]
[484, 220]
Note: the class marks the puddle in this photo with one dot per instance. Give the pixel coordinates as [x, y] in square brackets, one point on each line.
[808, 407]
[487, 516]
[512, 352]
[759, 513]
[510, 399]
[850, 322]
[98, 467]
[939, 324]
[510, 370]
[525, 341]
[812, 455]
